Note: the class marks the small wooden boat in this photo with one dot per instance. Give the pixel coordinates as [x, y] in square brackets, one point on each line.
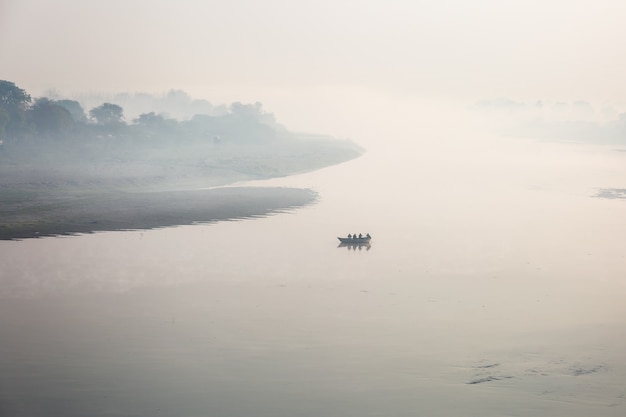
[355, 240]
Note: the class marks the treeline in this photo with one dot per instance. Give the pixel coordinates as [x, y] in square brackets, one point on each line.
[44, 122]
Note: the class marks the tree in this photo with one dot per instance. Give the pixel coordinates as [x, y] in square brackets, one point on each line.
[75, 109]
[50, 119]
[248, 123]
[251, 111]
[149, 120]
[155, 126]
[12, 97]
[4, 121]
[13, 105]
[107, 114]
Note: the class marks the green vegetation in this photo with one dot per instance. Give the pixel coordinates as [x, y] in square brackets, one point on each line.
[56, 160]
[54, 142]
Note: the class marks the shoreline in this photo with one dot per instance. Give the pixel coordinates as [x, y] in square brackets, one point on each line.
[51, 194]
[142, 210]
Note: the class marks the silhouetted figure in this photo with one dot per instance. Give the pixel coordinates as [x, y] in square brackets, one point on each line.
[360, 236]
[349, 236]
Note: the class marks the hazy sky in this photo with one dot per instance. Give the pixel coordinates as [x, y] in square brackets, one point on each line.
[244, 49]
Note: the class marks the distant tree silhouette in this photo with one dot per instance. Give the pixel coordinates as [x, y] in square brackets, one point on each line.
[149, 119]
[75, 109]
[14, 102]
[13, 97]
[50, 119]
[107, 114]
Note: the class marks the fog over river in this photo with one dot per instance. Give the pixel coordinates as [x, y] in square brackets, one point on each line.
[493, 186]
[494, 286]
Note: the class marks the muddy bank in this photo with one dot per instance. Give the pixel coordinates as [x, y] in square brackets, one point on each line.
[25, 215]
[56, 190]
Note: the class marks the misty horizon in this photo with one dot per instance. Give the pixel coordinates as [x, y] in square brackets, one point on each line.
[175, 175]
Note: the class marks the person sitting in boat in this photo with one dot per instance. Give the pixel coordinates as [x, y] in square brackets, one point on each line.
[368, 236]
[360, 236]
[349, 236]
[354, 236]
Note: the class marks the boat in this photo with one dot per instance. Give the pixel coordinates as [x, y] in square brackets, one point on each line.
[364, 240]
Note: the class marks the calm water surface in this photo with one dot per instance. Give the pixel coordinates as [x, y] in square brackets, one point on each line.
[494, 286]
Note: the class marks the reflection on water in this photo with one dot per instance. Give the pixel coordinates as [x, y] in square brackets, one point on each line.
[355, 246]
[496, 285]
[149, 210]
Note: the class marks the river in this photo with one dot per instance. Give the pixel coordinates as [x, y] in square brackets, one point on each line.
[494, 286]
